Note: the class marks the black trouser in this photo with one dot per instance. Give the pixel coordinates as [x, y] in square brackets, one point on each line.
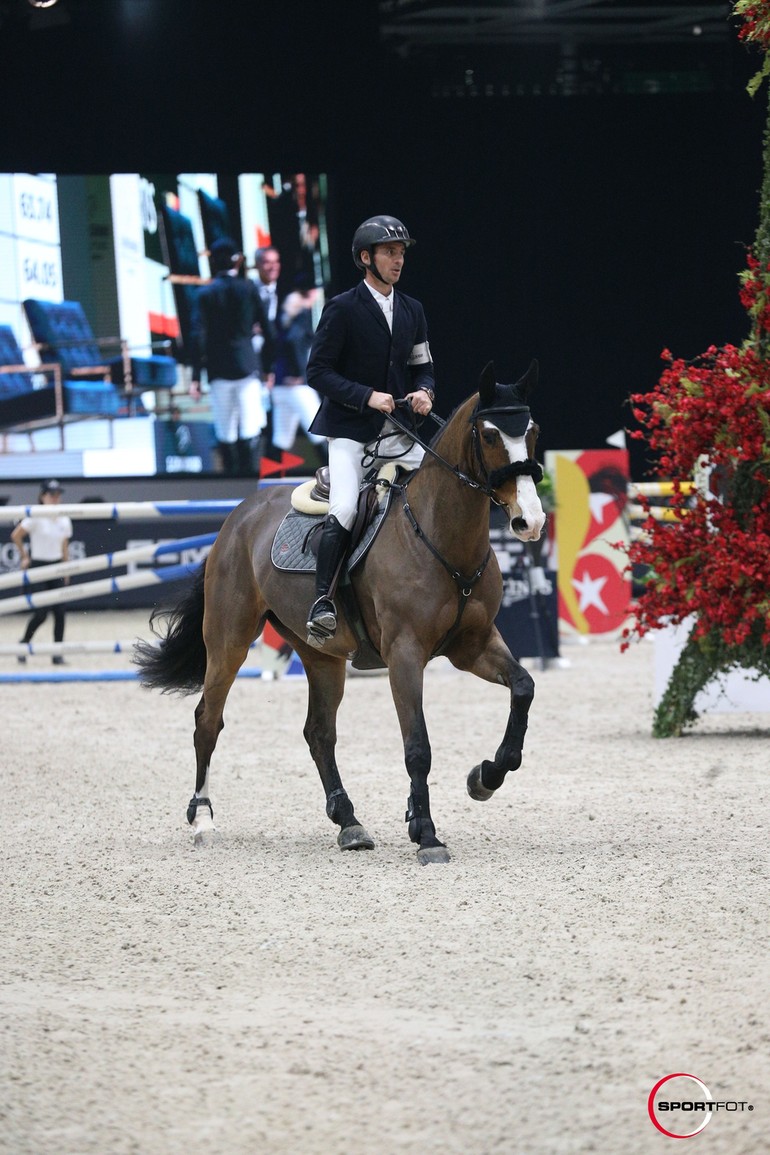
[40, 615]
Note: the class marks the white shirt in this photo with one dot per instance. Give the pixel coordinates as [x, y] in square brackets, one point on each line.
[385, 303]
[47, 536]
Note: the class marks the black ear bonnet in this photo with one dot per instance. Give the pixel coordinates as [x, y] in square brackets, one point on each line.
[505, 407]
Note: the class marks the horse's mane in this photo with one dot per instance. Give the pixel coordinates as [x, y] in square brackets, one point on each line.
[442, 428]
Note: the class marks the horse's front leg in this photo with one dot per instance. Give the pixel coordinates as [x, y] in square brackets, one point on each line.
[495, 663]
[406, 684]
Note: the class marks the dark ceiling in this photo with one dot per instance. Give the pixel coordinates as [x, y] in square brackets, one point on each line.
[409, 25]
[436, 48]
[119, 68]
[500, 48]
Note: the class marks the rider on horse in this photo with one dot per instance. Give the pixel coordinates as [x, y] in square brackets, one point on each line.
[370, 350]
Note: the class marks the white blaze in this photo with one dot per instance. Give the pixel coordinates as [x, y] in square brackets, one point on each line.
[527, 504]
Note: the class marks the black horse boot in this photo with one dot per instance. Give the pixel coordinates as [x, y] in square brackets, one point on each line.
[335, 539]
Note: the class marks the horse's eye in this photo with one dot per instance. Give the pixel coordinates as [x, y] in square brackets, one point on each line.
[489, 436]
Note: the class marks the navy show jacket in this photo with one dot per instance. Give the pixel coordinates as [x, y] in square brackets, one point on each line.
[354, 353]
[228, 308]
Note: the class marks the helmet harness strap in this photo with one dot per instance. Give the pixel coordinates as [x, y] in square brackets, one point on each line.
[372, 266]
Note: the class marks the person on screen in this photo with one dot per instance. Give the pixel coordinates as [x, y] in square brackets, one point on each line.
[370, 349]
[44, 540]
[267, 264]
[293, 216]
[294, 402]
[229, 310]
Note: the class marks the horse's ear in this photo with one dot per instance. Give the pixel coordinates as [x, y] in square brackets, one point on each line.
[487, 385]
[529, 381]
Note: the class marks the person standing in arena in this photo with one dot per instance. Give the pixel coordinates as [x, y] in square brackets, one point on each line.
[370, 349]
[43, 540]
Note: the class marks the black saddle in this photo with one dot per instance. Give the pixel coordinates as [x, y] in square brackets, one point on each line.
[366, 511]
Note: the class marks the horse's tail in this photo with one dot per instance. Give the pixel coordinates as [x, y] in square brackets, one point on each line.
[178, 664]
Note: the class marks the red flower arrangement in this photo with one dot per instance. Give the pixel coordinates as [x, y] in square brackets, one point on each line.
[712, 564]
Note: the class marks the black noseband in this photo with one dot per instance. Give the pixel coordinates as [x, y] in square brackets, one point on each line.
[528, 468]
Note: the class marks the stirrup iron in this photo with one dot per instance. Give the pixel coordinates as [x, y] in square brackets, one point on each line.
[322, 622]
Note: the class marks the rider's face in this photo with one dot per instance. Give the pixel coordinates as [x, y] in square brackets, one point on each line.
[390, 261]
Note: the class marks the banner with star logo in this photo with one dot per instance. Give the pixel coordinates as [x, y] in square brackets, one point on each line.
[591, 494]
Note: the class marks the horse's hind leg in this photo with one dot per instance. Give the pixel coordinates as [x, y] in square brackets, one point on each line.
[227, 649]
[496, 664]
[326, 686]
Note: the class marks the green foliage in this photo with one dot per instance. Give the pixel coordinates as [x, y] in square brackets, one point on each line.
[702, 660]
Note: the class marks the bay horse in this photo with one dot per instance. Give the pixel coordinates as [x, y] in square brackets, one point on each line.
[430, 584]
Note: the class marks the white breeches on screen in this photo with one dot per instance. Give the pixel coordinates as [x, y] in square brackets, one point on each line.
[292, 406]
[346, 469]
[237, 409]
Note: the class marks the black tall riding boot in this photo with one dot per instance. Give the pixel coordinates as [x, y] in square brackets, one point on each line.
[335, 540]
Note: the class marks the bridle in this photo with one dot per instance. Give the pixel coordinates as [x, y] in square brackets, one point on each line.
[517, 418]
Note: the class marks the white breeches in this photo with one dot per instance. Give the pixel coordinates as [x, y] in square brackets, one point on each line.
[237, 409]
[293, 405]
[346, 469]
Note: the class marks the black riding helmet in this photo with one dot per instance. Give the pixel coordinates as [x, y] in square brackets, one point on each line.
[378, 231]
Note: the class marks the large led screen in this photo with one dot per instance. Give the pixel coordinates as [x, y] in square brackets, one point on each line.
[98, 280]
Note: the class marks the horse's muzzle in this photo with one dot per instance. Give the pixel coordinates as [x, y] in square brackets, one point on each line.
[521, 529]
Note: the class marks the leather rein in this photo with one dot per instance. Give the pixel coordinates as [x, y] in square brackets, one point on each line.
[495, 478]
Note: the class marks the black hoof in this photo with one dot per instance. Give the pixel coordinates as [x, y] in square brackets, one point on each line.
[427, 855]
[354, 838]
[476, 787]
